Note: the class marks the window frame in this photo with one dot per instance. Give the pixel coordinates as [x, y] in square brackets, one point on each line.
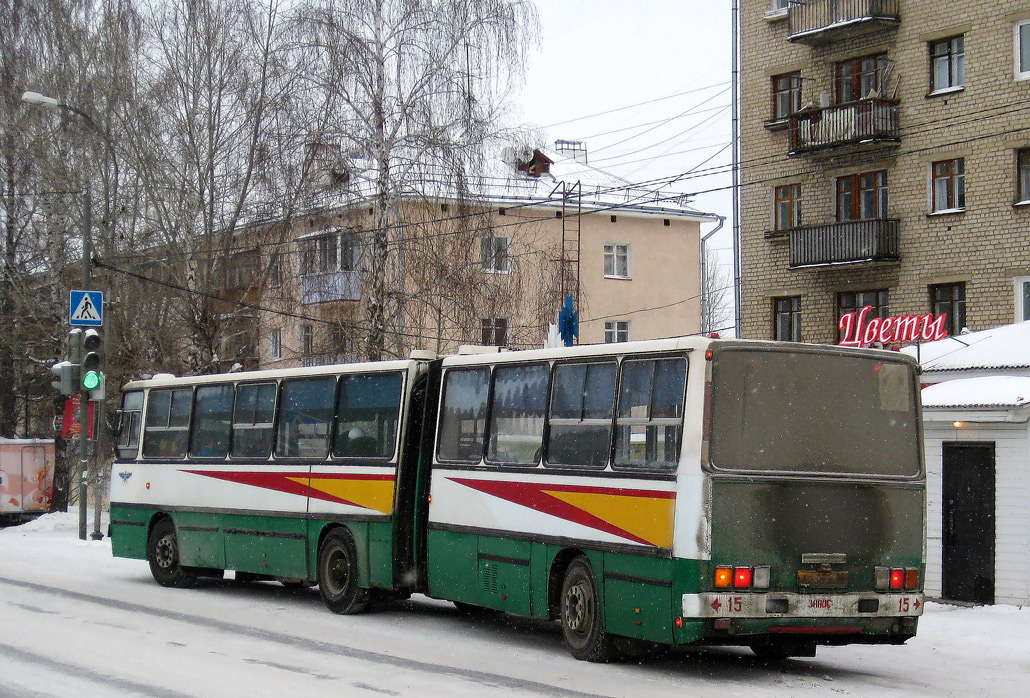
[954, 179]
[954, 59]
[195, 422]
[495, 254]
[283, 454]
[130, 424]
[792, 201]
[650, 420]
[494, 331]
[167, 428]
[330, 253]
[859, 72]
[616, 251]
[490, 456]
[582, 422]
[1022, 176]
[613, 329]
[790, 91]
[334, 435]
[1021, 291]
[881, 193]
[235, 426]
[275, 344]
[956, 306]
[1017, 29]
[792, 313]
[481, 435]
[881, 304]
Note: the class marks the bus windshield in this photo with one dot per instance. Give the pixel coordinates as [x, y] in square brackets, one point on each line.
[809, 412]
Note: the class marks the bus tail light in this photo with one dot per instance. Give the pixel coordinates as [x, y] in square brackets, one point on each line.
[762, 576]
[897, 578]
[742, 577]
[723, 577]
[911, 578]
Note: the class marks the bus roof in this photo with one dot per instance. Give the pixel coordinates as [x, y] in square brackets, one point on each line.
[167, 380]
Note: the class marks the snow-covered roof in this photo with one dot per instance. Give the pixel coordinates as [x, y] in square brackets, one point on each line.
[593, 189]
[986, 392]
[998, 349]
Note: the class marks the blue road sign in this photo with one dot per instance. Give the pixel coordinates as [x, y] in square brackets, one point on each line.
[86, 308]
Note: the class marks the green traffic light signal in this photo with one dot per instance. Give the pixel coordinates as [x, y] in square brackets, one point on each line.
[90, 380]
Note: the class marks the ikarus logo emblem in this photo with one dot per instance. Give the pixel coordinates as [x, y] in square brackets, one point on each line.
[125, 476]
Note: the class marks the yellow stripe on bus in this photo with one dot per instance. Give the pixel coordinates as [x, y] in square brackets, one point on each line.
[648, 518]
[376, 495]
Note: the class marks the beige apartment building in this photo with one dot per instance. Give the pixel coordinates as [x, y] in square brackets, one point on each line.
[885, 162]
[490, 269]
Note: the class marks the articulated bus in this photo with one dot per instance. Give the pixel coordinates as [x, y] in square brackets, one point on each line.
[667, 492]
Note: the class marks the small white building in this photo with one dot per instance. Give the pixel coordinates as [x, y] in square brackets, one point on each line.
[976, 416]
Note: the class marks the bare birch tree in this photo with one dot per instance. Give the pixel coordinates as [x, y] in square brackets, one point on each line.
[416, 86]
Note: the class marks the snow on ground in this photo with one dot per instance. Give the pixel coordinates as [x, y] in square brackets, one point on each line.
[75, 621]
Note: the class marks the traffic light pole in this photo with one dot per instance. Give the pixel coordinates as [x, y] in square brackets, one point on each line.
[87, 252]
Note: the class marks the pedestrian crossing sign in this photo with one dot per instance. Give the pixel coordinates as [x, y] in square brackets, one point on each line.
[86, 308]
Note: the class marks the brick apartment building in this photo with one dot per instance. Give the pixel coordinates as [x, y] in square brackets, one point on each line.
[885, 162]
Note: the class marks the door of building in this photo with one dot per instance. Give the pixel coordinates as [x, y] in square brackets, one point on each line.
[968, 526]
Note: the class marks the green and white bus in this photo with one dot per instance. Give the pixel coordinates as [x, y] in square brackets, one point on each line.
[669, 492]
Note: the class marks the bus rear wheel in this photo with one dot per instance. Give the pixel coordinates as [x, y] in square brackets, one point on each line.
[338, 575]
[582, 617]
[163, 556]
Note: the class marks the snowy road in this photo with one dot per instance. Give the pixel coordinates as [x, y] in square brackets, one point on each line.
[76, 622]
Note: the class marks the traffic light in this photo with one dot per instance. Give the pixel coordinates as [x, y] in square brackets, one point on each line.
[92, 375]
[66, 374]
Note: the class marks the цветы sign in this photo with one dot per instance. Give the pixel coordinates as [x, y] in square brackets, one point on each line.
[858, 331]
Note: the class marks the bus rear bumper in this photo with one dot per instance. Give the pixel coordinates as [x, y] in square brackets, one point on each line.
[787, 605]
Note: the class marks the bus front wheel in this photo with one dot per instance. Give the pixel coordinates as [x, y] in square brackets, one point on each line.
[163, 556]
[338, 574]
[582, 617]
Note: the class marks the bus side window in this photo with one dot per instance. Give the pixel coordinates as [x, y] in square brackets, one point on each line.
[305, 416]
[517, 415]
[129, 422]
[650, 419]
[211, 412]
[463, 415]
[582, 407]
[252, 421]
[367, 414]
[167, 425]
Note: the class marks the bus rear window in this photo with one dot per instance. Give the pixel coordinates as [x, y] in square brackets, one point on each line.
[813, 412]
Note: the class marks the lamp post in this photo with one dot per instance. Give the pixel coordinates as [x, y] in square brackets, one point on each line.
[35, 98]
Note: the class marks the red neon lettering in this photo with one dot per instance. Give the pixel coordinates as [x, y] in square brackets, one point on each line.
[856, 331]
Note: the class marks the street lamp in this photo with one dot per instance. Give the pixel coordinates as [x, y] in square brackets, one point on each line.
[50, 103]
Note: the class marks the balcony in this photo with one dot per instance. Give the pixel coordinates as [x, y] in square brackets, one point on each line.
[867, 122]
[816, 22]
[849, 242]
[331, 286]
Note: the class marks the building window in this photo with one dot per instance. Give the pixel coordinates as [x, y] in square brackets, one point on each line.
[787, 319]
[778, 5]
[787, 212]
[275, 345]
[339, 251]
[948, 185]
[950, 300]
[947, 64]
[616, 331]
[862, 196]
[493, 252]
[1022, 46]
[786, 95]
[495, 332]
[307, 340]
[854, 301]
[1022, 284]
[616, 261]
[1023, 175]
[860, 78]
[275, 270]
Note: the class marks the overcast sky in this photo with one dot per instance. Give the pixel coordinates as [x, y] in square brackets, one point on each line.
[601, 55]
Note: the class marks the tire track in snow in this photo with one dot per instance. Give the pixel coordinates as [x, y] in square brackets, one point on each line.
[479, 677]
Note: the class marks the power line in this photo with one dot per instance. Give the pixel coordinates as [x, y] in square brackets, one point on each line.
[638, 104]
